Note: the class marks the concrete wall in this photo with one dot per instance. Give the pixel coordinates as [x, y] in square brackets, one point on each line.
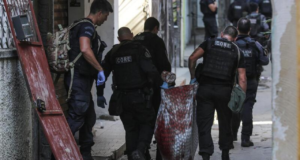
[285, 95]
[16, 130]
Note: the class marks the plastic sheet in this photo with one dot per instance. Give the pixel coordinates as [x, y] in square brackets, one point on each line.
[176, 130]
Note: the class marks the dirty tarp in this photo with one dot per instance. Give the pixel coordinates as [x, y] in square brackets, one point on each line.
[176, 130]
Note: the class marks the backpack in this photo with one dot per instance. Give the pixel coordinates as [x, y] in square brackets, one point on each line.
[255, 25]
[57, 52]
[58, 47]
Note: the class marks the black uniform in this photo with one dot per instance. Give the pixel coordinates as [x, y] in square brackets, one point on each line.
[254, 57]
[265, 8]
[81, 113]
[220, 62]
[209, 19]
[237, 10]
[158, 51]
[134, 74]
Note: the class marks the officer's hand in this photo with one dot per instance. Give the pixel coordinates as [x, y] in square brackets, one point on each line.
[101, 78]
[193, 81]
[165, 85]
[101, 101]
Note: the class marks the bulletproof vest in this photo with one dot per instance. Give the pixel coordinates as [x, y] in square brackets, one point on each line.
[239, 9]
[250, 51]
[266, 7]
[82, 65]
[255, 24]
[127, 72]
[204, 8]
[146, 40]
[220, 59]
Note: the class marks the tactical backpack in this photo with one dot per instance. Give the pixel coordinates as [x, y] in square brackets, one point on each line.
[58, 47]
[57, 52]
[255, 25]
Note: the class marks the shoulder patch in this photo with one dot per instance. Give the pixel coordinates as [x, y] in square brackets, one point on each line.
[147, 54]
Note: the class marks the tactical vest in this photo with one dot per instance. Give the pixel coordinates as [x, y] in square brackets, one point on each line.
[239, 9]
[250, 51]
[220, 59]
[255, 24]
[98, 46]
[127, 72]
[266, 7]
[146, 40]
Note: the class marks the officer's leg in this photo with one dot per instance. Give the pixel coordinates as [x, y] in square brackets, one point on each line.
[246, 114]
[131, 128]
[212, 27]
[205, 118]
[85, 133]
[145, 117]
[223, 94]
[206, 27]
[79, 101]
[235, 125]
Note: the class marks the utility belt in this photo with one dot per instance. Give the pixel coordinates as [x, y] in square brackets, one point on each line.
[140, 95]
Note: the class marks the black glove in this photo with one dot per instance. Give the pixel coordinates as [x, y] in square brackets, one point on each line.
[101, 101]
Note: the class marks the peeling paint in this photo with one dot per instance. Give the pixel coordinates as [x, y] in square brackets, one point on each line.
[283, 95]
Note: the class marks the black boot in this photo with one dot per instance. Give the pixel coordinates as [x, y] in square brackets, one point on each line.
[137, 155]
[86, 153]
[205, 156]
[247, 143]
[225, 155]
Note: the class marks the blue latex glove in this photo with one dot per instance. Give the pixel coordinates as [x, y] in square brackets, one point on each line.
[193, 81]
[101, 78]
[165, 85]
[101, 101]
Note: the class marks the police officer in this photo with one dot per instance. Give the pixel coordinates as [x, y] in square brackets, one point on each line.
[237, 10]
[209, 10]
[254, 56]
[265, 8]
[158, 51]
[258, 22]
[84, 39]
[221, 60]
[133, 76]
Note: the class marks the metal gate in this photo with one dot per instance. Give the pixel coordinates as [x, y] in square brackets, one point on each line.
[39, 82]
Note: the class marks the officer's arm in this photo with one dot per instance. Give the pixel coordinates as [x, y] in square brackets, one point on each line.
[242, 79]
[264, 23]
[213, 7]
[87, 52]
[198, 53]
[162, 60]
[107, 70]
[263, 58]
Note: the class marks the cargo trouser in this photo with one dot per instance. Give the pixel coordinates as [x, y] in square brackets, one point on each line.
[210, 98]
[138, 121]
[81, 113]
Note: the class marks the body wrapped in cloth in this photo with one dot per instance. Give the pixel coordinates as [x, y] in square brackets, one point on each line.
[176, 130]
